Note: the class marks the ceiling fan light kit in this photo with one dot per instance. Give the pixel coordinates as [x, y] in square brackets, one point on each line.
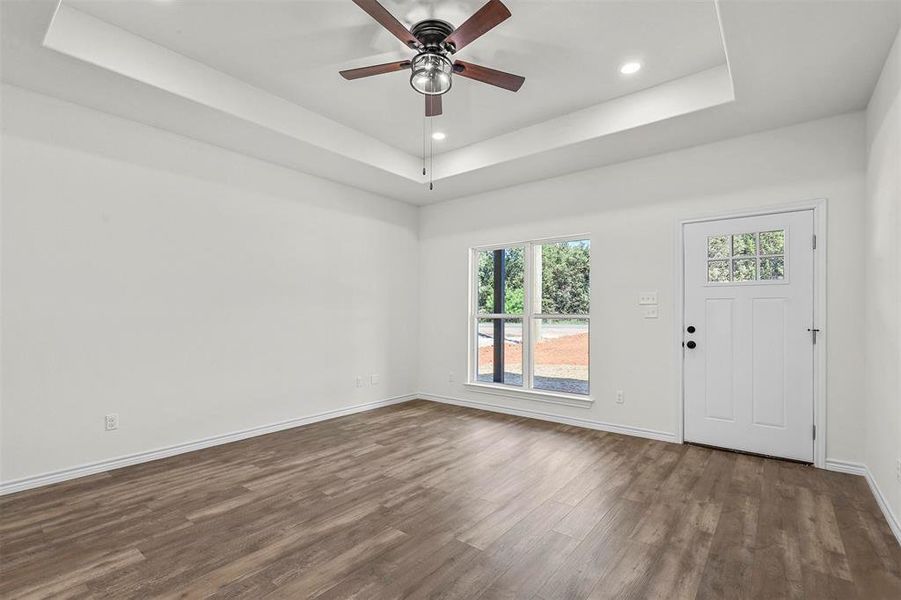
[431, 74]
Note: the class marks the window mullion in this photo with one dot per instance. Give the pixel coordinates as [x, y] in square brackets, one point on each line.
[473, 364]
[528, 307]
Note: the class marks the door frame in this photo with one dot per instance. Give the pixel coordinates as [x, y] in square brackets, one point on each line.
[819, 208]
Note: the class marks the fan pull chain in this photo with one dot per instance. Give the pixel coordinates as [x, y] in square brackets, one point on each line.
[431, 155]
[424, 119]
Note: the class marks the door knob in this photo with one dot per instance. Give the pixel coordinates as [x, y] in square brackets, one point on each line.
[691, 329]
[691, 344]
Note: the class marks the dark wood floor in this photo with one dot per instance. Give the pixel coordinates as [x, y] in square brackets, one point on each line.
[422, 500]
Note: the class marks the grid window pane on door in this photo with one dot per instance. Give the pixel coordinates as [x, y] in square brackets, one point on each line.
[746, 257]
[531, 319]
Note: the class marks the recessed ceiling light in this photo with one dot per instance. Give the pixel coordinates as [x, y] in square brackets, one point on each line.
[438, 136]
[630, 68]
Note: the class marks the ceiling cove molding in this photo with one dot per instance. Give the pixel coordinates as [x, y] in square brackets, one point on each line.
[84, 37]
[682, 96]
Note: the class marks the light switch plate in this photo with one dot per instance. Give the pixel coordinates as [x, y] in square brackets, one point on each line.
[650, 312]
[646, 298]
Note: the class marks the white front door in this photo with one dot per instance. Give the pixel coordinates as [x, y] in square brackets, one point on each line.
[747, 344]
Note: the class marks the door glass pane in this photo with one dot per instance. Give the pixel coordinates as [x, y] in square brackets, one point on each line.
[744, 269]
[744, 244]
[734, 258]
[499, 344]
[561, 355]
[511, 297]
[718, 270]
[772, 242]
[562, 271]
[718, 246]
[772, 268]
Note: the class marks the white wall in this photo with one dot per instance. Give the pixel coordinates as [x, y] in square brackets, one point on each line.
[883, 282]
[180, 285]
[630, 210]
[191, 290]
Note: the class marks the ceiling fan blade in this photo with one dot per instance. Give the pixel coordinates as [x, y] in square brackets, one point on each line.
[387, 20]
[432, 106]
[375, 70]
[508, 81]
[484, 19]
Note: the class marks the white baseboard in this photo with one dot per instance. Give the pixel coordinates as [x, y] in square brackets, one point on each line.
[843, 466]
[26, 483]
[861, 469]
[893, 520]
[652, 434]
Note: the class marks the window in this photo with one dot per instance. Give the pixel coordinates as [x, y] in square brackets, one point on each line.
[745, 257]
[530, 317]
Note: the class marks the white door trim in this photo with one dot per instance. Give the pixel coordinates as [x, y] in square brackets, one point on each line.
[818, 206]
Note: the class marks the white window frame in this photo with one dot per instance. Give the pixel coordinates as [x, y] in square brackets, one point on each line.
[528, 318]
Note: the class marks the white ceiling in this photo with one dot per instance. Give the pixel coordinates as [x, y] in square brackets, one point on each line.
[260, 77]
[295, 50]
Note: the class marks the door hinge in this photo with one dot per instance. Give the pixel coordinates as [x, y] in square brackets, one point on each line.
[814, 241]
[813, 334]
[814, 432]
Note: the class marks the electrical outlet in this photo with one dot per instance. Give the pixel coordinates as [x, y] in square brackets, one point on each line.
[450, 377]
[650, 312]
[620, 397]
[645, 298]
[359, 382]
[111, 421]
[898, 470]
[374, 379]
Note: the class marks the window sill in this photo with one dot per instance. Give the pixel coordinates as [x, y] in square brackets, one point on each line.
[549, 397]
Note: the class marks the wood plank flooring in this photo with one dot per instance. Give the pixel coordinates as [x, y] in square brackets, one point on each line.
[423, 500]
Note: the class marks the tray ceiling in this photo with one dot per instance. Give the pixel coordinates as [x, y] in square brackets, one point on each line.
[295, 50]
[260, 78]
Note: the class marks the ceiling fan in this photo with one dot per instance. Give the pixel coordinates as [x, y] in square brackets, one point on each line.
[434, 42]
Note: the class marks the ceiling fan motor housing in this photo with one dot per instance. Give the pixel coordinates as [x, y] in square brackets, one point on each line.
[431, 33]
[431, 68]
